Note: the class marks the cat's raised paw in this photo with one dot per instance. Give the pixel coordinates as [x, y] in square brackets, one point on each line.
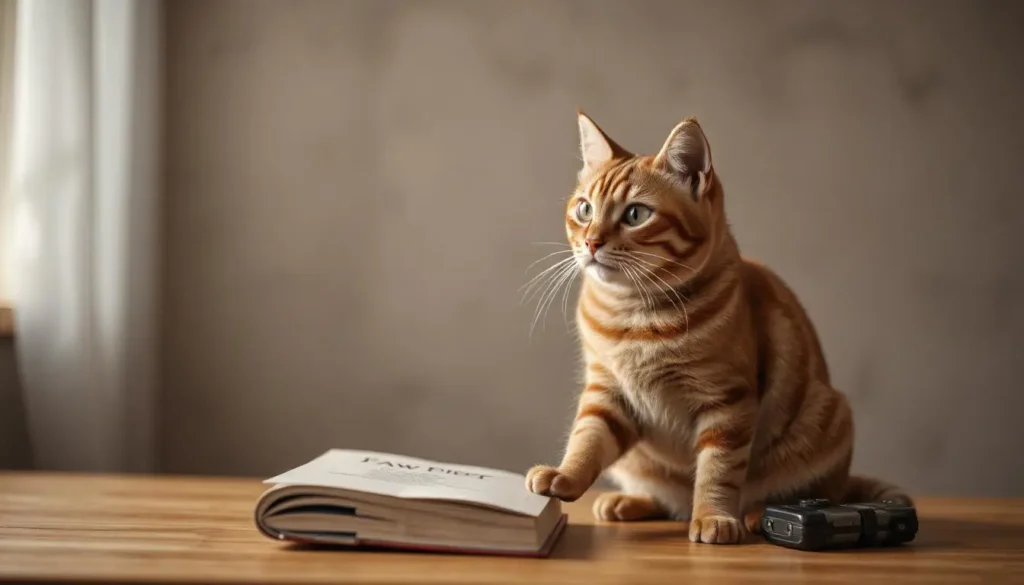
[715, 529]
[548, 481]
[618, 507]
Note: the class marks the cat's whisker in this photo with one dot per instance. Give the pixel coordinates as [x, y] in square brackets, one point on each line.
[625, 270]
[649, 303]
[646, 274]
[545, 289]
[652, 301]
[551, 292]
[668, 288]
[539, 289]
[546, 273]
[565, 298]
[564, 283]
[681, 306]
[682, 297]
[545, 257]
[690, 268]
[563, 244]
[632, 275]
[555, 279]
[542, 288]
[632, 256]
[548, 289]
[628, 263]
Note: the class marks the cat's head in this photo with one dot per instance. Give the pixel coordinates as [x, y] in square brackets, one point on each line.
[643, 221]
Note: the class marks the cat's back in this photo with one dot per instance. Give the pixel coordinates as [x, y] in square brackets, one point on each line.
[786, 333]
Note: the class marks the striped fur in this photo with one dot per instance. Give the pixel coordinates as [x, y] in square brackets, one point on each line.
[706, 394]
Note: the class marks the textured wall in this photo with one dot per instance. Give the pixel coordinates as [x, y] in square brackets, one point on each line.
[353, 189]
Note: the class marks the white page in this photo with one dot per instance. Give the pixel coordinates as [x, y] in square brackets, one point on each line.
[409, 477]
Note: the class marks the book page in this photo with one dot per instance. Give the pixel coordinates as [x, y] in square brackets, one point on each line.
[409, 477]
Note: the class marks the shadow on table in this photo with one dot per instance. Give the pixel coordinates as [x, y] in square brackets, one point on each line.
[582, 541]
[586, 541]
[934, 534]
[947, 534]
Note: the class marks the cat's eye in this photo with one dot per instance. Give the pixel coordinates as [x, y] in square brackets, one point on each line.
[584, 211]
[636, 214]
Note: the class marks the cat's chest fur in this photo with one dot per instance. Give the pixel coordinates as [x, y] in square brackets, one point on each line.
[657, 384]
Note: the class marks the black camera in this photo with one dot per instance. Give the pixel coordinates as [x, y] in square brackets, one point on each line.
[821, 525]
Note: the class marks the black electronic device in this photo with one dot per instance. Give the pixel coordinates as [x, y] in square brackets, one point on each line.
[821, 525]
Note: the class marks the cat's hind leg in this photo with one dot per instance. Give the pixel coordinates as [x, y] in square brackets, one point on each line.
[752, 520]
[790, 489]
[622, 507]
[649, 492]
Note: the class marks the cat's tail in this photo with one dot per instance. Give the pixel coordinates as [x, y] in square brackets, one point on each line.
[868, 489]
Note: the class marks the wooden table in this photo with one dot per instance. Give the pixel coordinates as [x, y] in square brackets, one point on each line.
[91, 529]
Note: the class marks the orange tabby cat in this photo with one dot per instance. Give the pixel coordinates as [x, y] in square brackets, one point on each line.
[706, 393]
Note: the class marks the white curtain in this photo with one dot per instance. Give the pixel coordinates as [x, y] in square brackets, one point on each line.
[84, 241]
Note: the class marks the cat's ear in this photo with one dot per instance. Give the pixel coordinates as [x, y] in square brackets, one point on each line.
[596, 147]
[686, 155]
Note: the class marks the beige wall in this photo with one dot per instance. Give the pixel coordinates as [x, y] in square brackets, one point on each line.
[353, 189]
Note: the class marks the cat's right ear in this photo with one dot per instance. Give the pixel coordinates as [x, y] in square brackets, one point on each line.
[686, 155]
[596, 148]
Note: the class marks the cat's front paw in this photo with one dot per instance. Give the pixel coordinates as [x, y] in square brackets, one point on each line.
[715, 529]
[548, 481]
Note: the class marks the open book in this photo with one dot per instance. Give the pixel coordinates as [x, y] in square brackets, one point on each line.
[367, 499]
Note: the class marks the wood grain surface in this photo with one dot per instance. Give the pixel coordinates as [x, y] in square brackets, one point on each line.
[132, 529]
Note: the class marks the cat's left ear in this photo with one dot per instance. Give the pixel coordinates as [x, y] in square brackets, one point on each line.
[686, 155]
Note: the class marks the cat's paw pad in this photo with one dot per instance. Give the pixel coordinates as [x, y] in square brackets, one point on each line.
[617, 507]
[548, 481]
[715, 529]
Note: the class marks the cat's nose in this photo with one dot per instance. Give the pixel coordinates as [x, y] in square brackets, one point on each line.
[593, 244]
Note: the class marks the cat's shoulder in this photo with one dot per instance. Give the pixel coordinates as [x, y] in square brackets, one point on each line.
[764, 282]
[756, 269]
